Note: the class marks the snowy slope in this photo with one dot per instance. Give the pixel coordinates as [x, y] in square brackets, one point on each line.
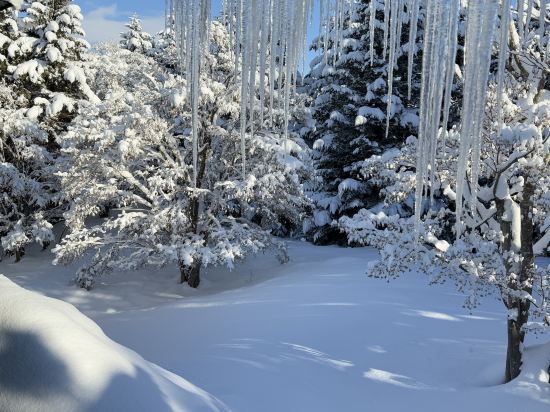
[313, 335]
[53, 358]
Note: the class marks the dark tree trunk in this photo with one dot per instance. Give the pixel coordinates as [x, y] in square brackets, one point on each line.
[513, 353]
[519, 307]
[190, 274]
[18, 255]
[104, 213]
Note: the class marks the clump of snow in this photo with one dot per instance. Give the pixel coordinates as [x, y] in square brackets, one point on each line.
[16, 3]
[54, 358]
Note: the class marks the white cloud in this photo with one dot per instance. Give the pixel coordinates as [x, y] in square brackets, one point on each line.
[106, 24]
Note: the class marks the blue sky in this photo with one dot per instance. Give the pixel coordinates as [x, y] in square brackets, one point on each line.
[105, 19]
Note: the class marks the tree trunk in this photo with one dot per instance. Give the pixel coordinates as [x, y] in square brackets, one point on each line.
[519, 307]
[513, 353]
[190, 274]
[18, 255]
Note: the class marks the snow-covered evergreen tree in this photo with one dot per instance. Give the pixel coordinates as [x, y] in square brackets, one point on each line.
[350, 92]
[9, 33]
[44, 80]
[135, 39]
[137, 156]
[505, 218]
[164, 49]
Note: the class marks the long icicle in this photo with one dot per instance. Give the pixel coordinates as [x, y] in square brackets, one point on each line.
[413, 27]
[372, 29]
[503, 56]
[395, 16]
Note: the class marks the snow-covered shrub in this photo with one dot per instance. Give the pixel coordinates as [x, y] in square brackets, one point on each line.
[136, 158]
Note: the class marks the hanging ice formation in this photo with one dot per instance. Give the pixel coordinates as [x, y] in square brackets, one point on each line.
[268, 36]
[192, 22]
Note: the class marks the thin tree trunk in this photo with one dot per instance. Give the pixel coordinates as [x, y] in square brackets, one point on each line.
[18, 255]
[519, 307]
[191, 275]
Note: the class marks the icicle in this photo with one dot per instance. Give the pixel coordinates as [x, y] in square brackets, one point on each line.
[422, 146]
[273, 56]
[387, 4]
[194, 80]
[413, 27]
[264, 37]
[395, 16]
[451, 50]
[245, 73]
[485, 49]
[438, 61]
[521, 12]
[401, 16]
[321, 20]
[503, 56]
[437, 87]
[289, 56]
[542, 20]
[169, 15]
[528, 17]
[478, 43]
[327, 31]
[283, 49]
[238, 36]
[337, 30]
[253, 61]
[281, 27]
[372, 29]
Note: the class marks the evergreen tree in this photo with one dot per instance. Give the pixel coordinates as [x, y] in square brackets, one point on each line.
[350, 102]
[9, 33]
[44, 82]
[138, 154]
[490, 245]
[135, 39]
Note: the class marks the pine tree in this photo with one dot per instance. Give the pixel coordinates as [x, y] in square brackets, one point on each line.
[45, 81]
[52, 68]
[135, 39]
[350, 101]
[137, 155]
[9, 33]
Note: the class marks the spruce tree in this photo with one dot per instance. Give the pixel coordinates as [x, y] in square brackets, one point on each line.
[137, 155]
[9, 33]
[349, 106]
[135, 39]
[43, 83]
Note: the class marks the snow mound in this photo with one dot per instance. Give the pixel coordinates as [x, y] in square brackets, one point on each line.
[54, 358]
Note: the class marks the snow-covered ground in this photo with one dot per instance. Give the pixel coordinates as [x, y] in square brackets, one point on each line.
[315, 334]
[53, 358]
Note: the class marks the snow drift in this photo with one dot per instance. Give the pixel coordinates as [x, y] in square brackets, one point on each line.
[52, 357]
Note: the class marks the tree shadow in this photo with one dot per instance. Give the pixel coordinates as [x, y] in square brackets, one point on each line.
[28, 367]
[32, 378]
